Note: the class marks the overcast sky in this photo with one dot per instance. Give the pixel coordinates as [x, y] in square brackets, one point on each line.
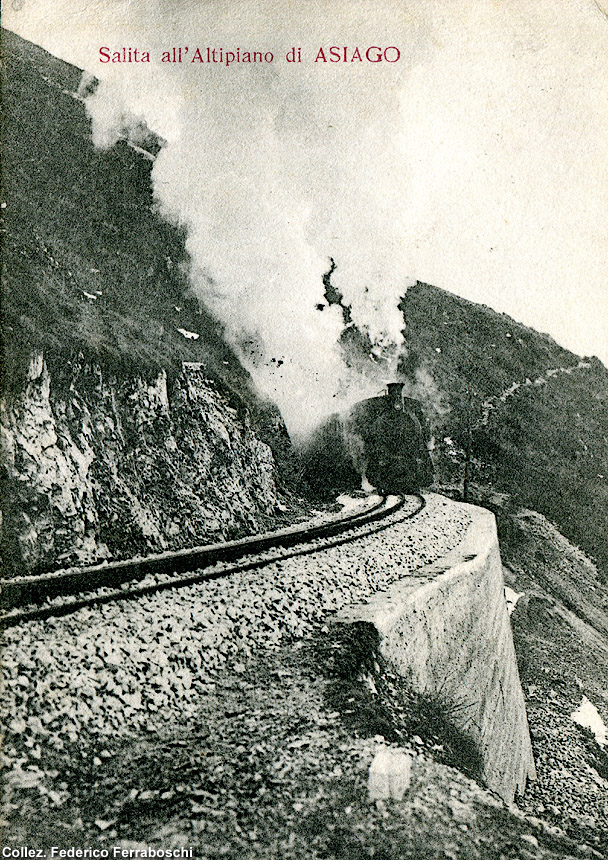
[477, 163]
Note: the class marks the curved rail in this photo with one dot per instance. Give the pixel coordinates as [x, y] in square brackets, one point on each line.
[74, 581]
[21, 591]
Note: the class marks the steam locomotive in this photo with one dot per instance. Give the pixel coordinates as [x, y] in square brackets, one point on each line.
[380, 442]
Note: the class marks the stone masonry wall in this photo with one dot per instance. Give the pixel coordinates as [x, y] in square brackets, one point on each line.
[448, 633]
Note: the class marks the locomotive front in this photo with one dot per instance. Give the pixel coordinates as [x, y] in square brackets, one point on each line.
[379, 443]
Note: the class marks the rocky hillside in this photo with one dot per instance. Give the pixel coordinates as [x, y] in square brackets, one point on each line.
[530, 417]
[128, 424]
[560, 628]
[526, 422]
[102, 467]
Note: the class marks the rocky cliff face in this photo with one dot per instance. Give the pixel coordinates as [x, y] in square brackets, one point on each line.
[101, 466]
[128, 423]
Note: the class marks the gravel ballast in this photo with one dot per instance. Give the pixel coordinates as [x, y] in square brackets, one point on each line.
[140, 665]
[222, 718]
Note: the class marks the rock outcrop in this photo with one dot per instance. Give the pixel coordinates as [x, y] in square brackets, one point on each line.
[101, 466]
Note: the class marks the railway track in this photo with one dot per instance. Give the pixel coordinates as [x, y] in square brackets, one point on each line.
[63, 592]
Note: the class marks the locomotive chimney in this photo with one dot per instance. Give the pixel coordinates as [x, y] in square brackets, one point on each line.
[394, 392]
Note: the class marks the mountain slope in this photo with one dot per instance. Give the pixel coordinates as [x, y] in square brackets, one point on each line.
[560, 630]
[531, 416]
[128, 423]
[88, 264]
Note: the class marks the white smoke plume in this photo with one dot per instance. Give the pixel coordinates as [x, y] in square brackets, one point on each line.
[424, 389]
[441, 166]
[273, 170]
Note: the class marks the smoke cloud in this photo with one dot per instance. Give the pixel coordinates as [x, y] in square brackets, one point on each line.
[274, 169]
[478, 162]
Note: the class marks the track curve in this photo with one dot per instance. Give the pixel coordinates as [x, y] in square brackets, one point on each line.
[174, 569]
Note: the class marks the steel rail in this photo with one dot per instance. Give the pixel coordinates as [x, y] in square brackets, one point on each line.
[249, 546]
[20, 591]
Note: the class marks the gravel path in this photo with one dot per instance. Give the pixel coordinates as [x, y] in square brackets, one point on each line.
[142, 665]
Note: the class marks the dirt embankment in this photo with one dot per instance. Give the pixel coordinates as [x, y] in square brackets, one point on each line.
[560, 629]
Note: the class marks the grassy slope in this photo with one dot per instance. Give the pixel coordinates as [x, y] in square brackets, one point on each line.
[80, 221]
[547, 445]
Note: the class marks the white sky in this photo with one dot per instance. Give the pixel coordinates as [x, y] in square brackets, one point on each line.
[496, 173]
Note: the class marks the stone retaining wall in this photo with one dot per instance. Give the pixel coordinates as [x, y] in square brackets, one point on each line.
[447, 631]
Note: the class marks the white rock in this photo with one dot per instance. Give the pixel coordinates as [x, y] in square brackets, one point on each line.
[512, 597]
[587, 715]
[189, 335]
[390, 774]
